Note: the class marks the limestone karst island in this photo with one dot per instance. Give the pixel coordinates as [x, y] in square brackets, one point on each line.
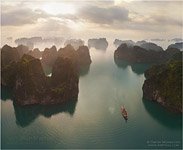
[82, 74]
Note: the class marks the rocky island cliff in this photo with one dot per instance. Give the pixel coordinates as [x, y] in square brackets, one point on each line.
[100, 43]
[31, 86]
[81, 56]
[8, 55]
[163, 84]
[49, 56]
[75, 43]
[26, 77]
[137, 54]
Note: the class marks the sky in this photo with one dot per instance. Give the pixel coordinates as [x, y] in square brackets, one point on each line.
[123, 19]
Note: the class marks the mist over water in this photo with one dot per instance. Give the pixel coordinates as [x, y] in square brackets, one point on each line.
[95, 120]
[42, 45]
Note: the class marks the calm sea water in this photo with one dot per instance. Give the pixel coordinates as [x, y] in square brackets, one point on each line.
[94, 121]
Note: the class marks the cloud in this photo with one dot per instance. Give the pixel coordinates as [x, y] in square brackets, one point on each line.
[135, 19]
[108, 16]
[150, 22]
[101, 15]
[17, 16]
[68, 17]
[163, 19]
[55, 25]
[154, 19]
[116, 17]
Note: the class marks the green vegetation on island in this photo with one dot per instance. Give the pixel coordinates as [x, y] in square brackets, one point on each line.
[164, 83]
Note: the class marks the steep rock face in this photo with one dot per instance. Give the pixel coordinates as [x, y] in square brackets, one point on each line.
[68, 52]
[177, 45]
[30, 85]
[81, 57]
[35, 53]
[84, 56]
[163, 84]
[8, 55]
[49, 56]
[137, 54]
[143, 44]
[100, 43]
[138, 43]
[150, 46]
[64, 79]
[8, 74]
[76, 43]
[22, 49]
[118, 42]
[172, 51]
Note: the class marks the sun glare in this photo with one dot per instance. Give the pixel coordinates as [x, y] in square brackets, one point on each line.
[118, 2]
[58, 8]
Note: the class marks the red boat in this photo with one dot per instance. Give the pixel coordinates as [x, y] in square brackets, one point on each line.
[124, 112]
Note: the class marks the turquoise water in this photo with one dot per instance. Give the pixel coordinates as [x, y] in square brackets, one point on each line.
[94, 121]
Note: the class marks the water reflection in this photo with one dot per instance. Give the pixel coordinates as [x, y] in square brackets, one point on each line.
[6, 93]
[163, 116]
[138, 68]
[25, 115]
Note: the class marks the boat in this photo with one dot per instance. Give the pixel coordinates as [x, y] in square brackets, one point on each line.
[124, 113]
